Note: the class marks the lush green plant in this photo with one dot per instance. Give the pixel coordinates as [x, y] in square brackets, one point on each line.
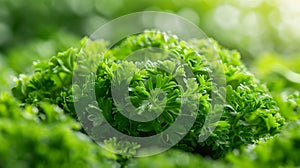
[40, 130]
[280, 151]
[249, 114]
[282, 77]
[48, 139]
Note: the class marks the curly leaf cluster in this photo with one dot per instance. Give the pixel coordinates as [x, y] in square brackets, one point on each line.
[248, 115]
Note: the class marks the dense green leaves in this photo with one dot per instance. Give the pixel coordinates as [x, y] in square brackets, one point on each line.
[48, 82]
[249, 113]
[280, 151]
[44, 136]
[27, 144]
[41, 130]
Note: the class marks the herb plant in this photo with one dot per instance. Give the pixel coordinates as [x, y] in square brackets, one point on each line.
[249, 113]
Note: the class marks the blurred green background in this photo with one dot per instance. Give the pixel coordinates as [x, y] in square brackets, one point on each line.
[265, 32]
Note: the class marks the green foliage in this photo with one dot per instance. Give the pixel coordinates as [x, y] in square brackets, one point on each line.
[125, 150]
[279, 73]
[40, 130]
[6, 75]
[249, 114]
[175, 159]
[282, 78]
[280, 151]
[31, 140]
[289, 102]
[49, 80]
[27, 144]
